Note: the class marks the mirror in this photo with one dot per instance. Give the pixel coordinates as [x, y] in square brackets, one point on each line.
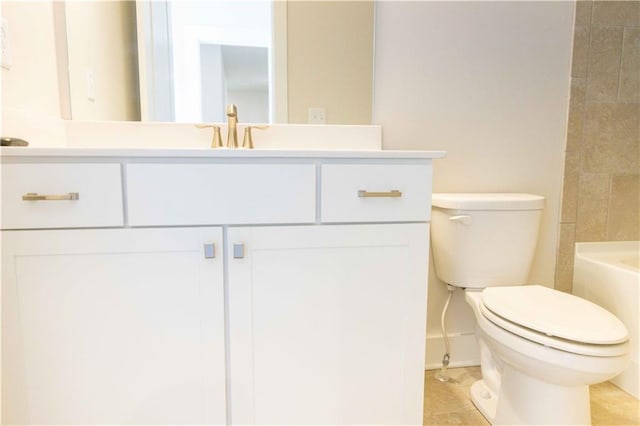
[185, 60]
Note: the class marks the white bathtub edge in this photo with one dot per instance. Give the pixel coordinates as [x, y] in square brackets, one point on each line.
[615, 288]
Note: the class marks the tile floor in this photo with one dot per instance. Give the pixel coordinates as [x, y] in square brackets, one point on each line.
[449, 403]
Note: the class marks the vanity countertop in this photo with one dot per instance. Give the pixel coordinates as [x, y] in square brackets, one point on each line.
[209, 153]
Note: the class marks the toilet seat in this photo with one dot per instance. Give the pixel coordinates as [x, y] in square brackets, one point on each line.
[555, 319]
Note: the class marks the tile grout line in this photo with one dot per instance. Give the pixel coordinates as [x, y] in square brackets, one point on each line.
[583, 126]
[624, 32]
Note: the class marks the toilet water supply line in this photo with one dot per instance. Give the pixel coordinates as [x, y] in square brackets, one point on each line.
[442, 373]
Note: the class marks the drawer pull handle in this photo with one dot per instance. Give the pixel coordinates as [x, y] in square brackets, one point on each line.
[394, 193]
[34, 196]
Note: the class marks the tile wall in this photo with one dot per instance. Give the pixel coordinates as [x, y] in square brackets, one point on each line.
[601, 188]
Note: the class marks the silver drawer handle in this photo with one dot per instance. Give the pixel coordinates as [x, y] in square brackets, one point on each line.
[394, 193]
[34, 196]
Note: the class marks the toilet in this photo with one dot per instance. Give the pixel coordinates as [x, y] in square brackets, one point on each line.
[540, 349]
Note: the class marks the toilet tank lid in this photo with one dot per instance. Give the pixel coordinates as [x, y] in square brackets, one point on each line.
[488, 201]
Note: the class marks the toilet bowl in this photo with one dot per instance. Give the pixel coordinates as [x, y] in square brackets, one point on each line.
[540, 349]
[539, 382]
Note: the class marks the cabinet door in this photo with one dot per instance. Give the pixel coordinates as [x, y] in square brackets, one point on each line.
[327, 324]
[120, 326]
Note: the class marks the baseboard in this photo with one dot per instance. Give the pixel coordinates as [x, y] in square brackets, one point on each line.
[464, 351]
[628, 380]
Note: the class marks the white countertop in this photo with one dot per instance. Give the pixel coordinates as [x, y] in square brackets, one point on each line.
[221, 153]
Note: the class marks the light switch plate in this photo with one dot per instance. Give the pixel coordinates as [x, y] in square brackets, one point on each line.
[91, 84]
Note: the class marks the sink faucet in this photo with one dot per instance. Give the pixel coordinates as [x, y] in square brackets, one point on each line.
[232, 123]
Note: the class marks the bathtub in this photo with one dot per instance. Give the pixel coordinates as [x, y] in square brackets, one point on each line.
[608, 274]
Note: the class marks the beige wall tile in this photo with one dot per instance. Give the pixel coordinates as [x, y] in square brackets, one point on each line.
[604, 63]
[630, 66]
[600, 195]
[566, 255]
[611, 124]
[583, 12]
[625, 13]
[610, 159]
[570, 187]
[591, 224]
[576, 114]
[624, 209]
[580, 51]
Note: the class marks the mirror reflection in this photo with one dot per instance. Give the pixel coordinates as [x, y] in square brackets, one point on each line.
[279, 62]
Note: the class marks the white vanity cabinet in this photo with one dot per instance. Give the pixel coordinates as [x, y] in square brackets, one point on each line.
[98, 188]
[327, 324]
[231, 288]
[113, 326]
[200, 194]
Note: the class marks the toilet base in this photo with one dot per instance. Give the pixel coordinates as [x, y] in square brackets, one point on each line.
[525, 400]
[484, 400]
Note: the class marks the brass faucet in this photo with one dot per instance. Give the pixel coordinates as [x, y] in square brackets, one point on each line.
[232, 123]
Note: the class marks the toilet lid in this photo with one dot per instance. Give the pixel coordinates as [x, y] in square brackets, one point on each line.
[555, 342]
[555, 314]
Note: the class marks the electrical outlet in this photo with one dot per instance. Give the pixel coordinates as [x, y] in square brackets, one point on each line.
[5, 51]
[318, 115]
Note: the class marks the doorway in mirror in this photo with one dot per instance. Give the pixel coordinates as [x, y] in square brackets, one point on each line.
[218, 53]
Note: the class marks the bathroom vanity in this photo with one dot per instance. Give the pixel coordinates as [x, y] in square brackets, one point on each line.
[190, 286]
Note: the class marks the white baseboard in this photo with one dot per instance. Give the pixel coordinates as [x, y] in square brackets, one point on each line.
[628, 380]
[464, 351]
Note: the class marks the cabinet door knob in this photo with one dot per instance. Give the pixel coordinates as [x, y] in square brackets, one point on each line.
[238, 251]
[34, 196]
[209, 250]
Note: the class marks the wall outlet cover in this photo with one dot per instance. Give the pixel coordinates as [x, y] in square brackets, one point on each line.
[317, 115]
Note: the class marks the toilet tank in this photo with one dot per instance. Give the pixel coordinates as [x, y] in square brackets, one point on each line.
[484, 240]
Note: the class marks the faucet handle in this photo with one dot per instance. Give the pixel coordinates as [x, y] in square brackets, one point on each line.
[216, 140]
[247, 141]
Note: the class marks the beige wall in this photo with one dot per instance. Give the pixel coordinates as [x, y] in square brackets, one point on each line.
[489, 83]
[601, 186]
[102, 37]
[340, 33]
[30, 89]
[32, 82]
[31, 95]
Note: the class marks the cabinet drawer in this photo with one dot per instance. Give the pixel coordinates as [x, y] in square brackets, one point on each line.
[98, 188]
[201, 194]
[375, 193]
